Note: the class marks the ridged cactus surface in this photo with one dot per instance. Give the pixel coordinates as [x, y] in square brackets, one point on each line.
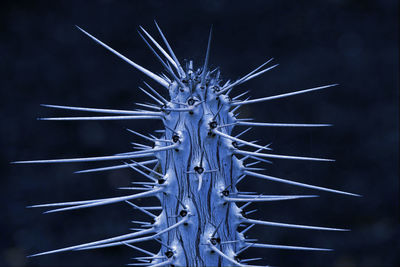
[194, 166]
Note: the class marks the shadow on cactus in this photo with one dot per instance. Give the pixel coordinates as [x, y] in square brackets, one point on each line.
[193, 168]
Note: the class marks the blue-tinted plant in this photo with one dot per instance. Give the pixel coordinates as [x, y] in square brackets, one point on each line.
[193, 167]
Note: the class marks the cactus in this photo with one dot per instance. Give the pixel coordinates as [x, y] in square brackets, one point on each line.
[193, 168]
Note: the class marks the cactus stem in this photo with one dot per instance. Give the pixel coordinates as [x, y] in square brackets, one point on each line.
[195, 149]
[219, 252]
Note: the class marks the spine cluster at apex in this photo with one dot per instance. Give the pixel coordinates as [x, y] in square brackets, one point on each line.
[193, 167]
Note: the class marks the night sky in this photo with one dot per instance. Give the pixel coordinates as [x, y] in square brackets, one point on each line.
[46, 60]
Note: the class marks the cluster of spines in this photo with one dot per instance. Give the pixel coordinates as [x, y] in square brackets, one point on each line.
[198, 164]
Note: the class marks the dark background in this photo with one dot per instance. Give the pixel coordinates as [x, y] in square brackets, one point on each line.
[45, 59]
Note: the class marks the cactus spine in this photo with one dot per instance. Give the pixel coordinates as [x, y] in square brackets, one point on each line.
[198, 164]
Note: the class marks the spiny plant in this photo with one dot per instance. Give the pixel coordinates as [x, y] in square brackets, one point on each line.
[193, 167]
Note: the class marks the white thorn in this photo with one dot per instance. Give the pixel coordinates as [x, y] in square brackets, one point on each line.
[130, 62]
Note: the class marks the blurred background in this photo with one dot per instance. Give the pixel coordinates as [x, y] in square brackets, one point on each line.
[46, 60]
